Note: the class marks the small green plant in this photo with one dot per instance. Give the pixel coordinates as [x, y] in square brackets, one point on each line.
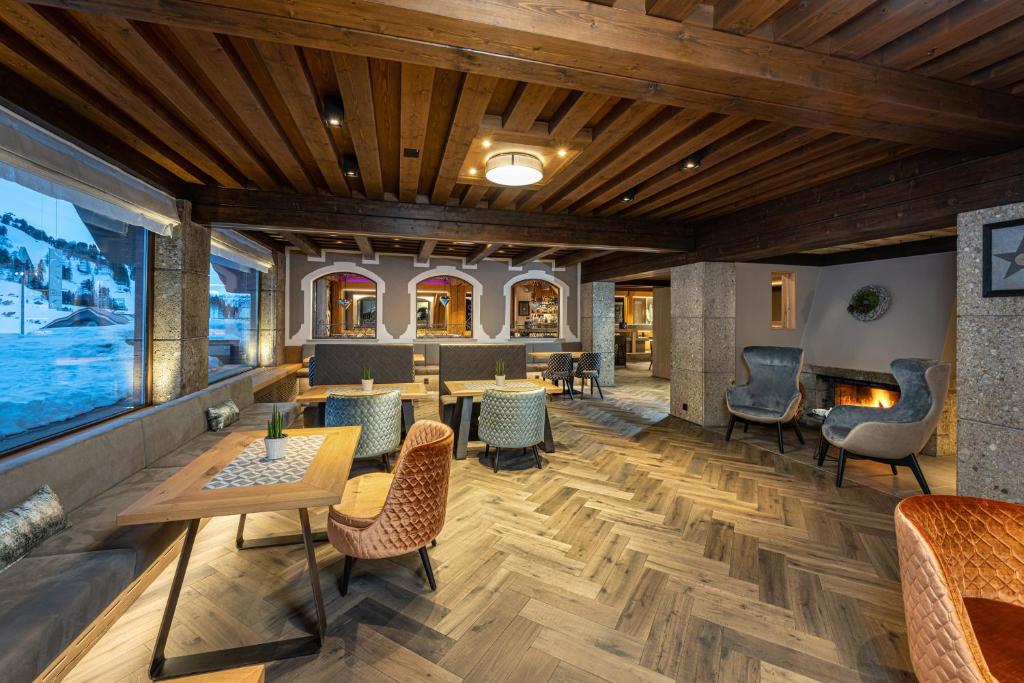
[275, 425]
[499, 368]
[367, 373]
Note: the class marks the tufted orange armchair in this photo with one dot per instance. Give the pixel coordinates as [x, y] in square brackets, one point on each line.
[390, 514]
[962, 570]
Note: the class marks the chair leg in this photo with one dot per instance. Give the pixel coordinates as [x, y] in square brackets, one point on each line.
[568, 385]
[842, 467]
[387, 462]
[799, 434]
[536, 456]
[822, 451]
[497, 453]
[487, 451]
[728, 430]
[600, 392]
[893, 468]
[433, 544]
[778, 430]
[746, 426]
[918, 474]
[427, 569]
[346, 574]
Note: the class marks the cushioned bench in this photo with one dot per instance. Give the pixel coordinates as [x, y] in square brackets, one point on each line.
[51, 597]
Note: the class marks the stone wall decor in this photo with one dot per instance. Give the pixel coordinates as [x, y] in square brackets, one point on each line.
[1003, 259]
[869, 303]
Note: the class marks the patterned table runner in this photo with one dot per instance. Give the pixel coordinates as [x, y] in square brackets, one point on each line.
[251, 468]
[509, 384]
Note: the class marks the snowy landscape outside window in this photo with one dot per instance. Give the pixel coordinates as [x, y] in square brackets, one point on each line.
[72, 315]
[234, 318]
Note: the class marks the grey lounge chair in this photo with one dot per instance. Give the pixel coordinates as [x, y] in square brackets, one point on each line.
[772, 394]
[893, 435]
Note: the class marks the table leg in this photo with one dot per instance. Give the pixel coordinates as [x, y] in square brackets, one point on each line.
[243, 543]
[163, 667]
[549, 439]
[408, 416]
[462, 417]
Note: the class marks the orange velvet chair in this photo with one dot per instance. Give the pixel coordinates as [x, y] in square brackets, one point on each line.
[390, 514]
[962, 569]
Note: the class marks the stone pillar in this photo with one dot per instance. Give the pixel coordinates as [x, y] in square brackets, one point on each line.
[989, 372]
[272, 293]
[597, 325]
[181, 309]
[703, 341]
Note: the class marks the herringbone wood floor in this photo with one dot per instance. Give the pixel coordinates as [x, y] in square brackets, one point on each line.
[646, 549]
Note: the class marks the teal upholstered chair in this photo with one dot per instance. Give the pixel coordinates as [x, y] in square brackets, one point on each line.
[378, 412]
[512, 418]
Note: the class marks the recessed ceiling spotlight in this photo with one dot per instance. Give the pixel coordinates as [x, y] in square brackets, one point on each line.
[350, 166]
[472, 171]
[514, 169]
[334, 112]
[563, 152]
[629, 195]
[692, 161]
[486, 142]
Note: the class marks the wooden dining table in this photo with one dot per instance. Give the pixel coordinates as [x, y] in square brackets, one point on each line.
[317, 396]
[466, 391]
[230, 479]
[544, 355]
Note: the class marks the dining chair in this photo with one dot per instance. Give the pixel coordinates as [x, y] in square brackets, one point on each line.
[512, 418]
[378, 412]
[560, 370]
[383, 515]
[588, 367]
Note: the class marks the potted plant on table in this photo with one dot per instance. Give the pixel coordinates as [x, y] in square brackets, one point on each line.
[499, 373]
[276, 440]
[367, 379]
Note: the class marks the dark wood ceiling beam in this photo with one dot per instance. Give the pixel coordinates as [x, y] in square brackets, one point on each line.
[482, 251]
[365, 246]
[742, 16]
[807, 21]
[677, 10]
[474, 96]
[882, 24]
[925, 192]
[258, 210]
[263, 239]
[506, 198]
[426, 249]
[575, 113]
[301, 242]
[417, 87]
[993, 47]
[530, 255]
[564, 43]
[473, 195]
[577, 257]
[353, 73]
[527, 104]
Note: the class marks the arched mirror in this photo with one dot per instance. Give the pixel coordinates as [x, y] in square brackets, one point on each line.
[535, 309]
[344, 307]
[444, 307]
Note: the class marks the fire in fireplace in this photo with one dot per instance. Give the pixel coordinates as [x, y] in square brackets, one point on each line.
[850, 394]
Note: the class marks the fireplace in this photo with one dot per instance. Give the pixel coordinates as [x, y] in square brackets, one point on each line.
[847, 392]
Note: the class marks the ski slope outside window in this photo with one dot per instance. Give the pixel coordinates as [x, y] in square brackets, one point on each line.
[234, 318]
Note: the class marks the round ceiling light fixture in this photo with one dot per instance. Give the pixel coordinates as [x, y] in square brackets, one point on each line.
[514, 169]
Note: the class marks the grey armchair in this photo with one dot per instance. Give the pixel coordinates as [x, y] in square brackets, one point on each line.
[772, 394]
[893, 435]
[513, 418]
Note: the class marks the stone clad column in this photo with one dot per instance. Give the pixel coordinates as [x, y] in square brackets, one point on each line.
[597, 325]
[703, 341]
[272, 293]
[989, 371]
[181, 309]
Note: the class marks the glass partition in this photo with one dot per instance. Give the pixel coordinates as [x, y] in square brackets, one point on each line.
[444, 307]
[72, 315]
[344, 306]
[234, 318]
[535, 309]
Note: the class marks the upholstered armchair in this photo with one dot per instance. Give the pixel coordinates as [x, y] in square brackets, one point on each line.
[588, 367]
[892, 435]
[962, 570]
[560, 370]
[772, 394]
[378, 412]
[512, 418]
[387, 515]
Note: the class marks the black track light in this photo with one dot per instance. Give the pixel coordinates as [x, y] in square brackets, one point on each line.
[692, 161]
[334, 112]
[629, 195]
[350, 166]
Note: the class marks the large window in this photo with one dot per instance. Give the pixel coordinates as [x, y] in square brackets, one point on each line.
[534, 309]
[234, 318]
[444, 307]
[72, 315]
[344, 307]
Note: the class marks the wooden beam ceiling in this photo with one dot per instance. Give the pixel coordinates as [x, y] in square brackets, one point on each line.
[426, 249]
[365, 247]
[302, 243]
[624, 54]
[482, 251]
[535, 254]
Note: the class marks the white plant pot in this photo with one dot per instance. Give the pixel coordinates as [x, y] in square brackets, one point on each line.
[499, 380]
[276, 447]
[367, 385]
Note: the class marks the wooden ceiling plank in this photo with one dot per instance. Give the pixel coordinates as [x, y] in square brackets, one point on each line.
[627, 55]
[263, 239]
[811, 20]
[742, 16]
[292, 82]
[677, 10]
[666, 157]
[577, 110]
[426, 249]
[473, 99]
[417, 87]
[579, 256]
[617, 126]
[473, 195]
[993, 47]
[224, 70]
[530, 255]
[506, 197]
[526, 105]
[881, 25]
[365, 246]
[482, 251]
[353, 73]
[1005, 73]
[89, 67]
[302, 243]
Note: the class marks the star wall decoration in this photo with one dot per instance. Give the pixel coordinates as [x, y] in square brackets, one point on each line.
[1015, 259]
